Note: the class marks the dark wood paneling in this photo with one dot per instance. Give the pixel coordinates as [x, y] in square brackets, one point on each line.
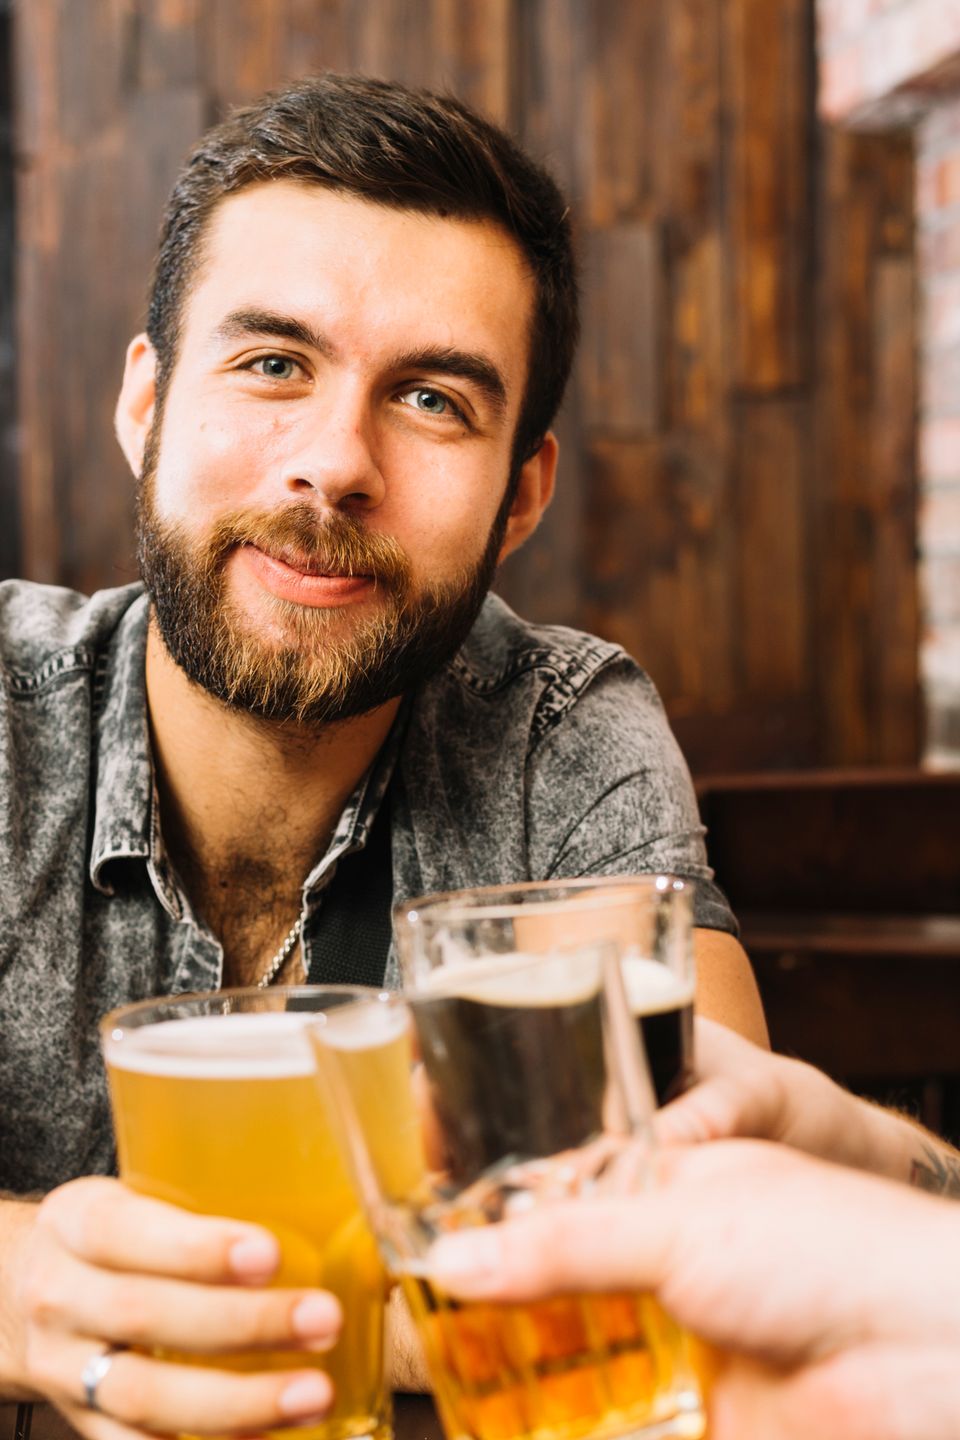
[662, 588]
[736, 490]
[769, 114]
[620, 366]
[771, 465]
[862, 484]
[550, 80]
[98, 154]
[848, 895]
[10, 542]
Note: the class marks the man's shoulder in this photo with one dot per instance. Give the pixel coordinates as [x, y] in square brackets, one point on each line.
[502, 647]
[519, 682]
[47, 629]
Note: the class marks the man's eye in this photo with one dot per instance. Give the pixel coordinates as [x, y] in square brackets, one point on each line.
[275, 367]
[430, 402]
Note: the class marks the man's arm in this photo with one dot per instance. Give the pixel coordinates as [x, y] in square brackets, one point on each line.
[726, 987]
[745, 1091]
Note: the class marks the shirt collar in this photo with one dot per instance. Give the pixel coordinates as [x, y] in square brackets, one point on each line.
[357, 817]
[123, 767]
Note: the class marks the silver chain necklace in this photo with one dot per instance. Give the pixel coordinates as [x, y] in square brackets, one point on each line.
[282, 955]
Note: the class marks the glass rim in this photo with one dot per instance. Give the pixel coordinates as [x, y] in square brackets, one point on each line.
[137, 1010]
[479, 903]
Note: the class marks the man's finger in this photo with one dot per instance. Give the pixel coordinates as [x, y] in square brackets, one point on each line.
[70, 1295]
[738, 1092]
[559, 1248]
[156, 1395]
[108, 1225]
[94, 1426]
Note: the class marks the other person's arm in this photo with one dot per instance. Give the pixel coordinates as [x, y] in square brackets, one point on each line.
[95, 1265]
[745, 1091]
[835, 1295]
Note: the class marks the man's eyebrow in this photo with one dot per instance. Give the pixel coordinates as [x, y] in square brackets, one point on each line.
[465, 365]
[244, 324]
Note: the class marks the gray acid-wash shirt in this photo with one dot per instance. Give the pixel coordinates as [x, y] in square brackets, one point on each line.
[537, 752]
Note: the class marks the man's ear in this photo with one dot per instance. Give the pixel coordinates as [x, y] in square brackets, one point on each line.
[534, 493]
[138, 393]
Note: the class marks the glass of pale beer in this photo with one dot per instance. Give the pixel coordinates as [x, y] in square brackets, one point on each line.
[515, 1082]
[647, 918]
[216, 1109]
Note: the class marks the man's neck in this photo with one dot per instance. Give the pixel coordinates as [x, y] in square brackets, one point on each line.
[248, 807]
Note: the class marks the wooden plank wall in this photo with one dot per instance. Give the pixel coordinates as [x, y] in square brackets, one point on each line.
[9, 476]
[737, 498]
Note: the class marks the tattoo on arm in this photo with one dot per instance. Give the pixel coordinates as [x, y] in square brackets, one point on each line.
[939, 1173]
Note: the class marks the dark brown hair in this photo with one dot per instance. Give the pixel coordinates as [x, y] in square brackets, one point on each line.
[411, 149]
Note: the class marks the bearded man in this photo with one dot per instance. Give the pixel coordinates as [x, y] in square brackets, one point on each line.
[362, 320]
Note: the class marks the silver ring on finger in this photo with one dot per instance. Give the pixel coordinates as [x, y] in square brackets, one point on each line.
[94, 1372]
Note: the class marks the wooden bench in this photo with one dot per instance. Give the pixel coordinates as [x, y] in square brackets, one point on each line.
[847, 888]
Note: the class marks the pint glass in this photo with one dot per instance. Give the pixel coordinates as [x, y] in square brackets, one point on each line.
[523, 1082]
[648, 918]
[216, 1109]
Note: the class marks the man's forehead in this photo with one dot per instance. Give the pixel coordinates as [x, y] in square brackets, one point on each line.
[300, 243]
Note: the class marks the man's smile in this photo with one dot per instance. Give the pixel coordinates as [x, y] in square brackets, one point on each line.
[291, 575]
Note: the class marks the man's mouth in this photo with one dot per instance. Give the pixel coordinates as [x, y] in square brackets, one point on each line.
[311, 565]
[289, 574]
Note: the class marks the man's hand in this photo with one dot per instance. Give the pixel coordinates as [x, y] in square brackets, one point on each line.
[746, 1092]
[103, 1266]
[835, 1295]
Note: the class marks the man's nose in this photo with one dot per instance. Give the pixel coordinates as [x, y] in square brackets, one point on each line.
[335, 457]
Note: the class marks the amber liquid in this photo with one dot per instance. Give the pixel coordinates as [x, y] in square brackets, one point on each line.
[561, 1369]
[256, 1146]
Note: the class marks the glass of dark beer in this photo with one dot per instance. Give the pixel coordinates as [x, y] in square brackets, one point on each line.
[524, 1083]
[647, 918]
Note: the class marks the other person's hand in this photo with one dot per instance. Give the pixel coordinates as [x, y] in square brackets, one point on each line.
[103, 1266]
[744, 1091]
[835, 1295]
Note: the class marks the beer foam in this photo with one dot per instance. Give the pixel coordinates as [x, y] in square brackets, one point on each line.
[652, 989]
[364, 1026]
[540, 981]
[267, 1046]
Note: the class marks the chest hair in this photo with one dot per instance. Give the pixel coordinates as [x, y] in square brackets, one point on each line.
[250, 906]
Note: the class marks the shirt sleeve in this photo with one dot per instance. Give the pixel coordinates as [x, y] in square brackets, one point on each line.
[609, 793]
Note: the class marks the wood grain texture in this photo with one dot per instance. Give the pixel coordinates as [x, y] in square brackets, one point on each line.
[10, 537]
[769, 115]
[863, 487]
[736, 497]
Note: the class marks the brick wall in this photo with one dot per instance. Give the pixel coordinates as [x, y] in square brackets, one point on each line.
[890, 63]
[938, 226]
[880, 60]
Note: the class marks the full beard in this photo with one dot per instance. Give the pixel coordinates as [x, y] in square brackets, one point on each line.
[317, 666]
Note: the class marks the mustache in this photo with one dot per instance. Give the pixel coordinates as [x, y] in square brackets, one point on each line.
[334, 544]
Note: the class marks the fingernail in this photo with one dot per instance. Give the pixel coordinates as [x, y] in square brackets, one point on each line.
[254, 1257]
[305, 1397]
[473, 1256]
[318, 1318]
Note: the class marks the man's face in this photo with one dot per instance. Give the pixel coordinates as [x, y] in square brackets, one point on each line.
[320, 497]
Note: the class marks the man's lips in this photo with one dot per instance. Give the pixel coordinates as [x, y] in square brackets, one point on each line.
[300, 580]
